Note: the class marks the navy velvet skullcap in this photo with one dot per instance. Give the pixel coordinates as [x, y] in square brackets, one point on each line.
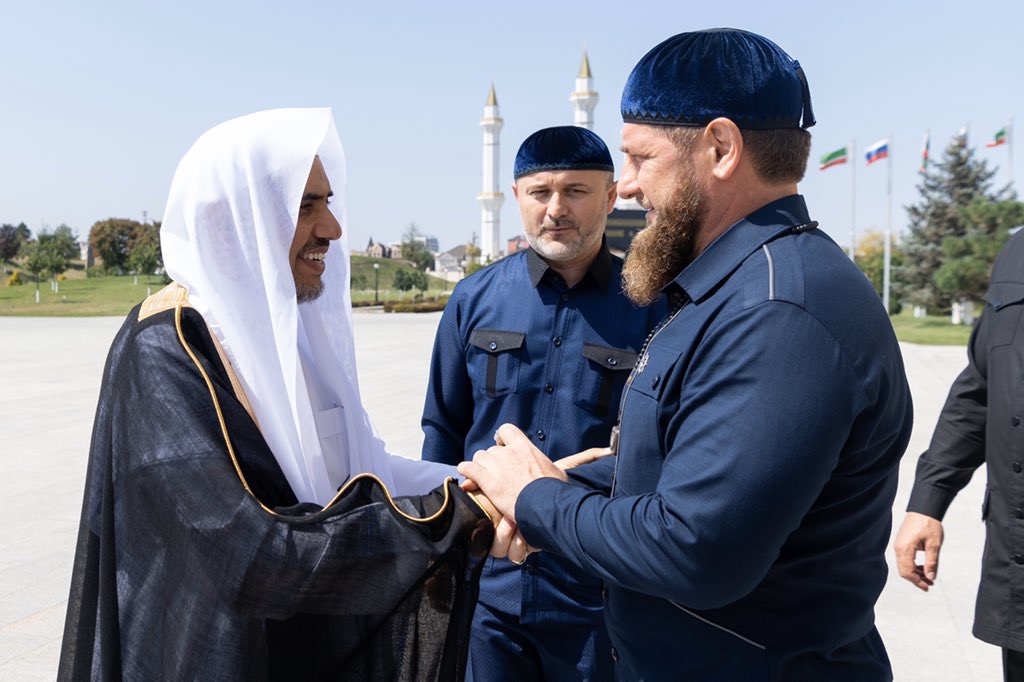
[693, 78]
[562, 148]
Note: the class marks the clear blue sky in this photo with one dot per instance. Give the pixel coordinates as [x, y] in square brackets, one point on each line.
[100, 100]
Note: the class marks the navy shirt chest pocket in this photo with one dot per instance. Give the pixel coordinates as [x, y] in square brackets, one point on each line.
[1007, 301]
[494, 359]
[600, 377]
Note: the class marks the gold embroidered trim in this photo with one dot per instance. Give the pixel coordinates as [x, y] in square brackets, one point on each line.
[180, 305]
[165, 299]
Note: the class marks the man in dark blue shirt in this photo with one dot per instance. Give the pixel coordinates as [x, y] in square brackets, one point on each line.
[544, 338]
[761, 430]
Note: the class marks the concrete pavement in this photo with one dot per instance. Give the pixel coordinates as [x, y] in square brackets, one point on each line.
[50, 370]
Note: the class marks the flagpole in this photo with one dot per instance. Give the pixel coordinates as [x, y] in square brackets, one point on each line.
[888, 232]
[853, 200]
[1009, 149]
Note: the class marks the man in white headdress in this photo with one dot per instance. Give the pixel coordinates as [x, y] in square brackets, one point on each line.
[226, 530]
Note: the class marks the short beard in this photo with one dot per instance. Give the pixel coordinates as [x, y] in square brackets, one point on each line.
[306, 294]
[665, 247]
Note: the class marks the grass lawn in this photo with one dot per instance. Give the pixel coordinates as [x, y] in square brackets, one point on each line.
[80, 296]
[364, 277]
[929, 331]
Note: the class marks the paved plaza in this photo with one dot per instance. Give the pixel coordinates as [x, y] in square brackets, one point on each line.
[50, 370]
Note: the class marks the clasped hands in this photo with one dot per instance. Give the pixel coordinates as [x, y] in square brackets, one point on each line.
[502, 471]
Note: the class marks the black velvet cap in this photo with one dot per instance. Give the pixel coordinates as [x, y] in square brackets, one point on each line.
[562, 148]
[693, 78]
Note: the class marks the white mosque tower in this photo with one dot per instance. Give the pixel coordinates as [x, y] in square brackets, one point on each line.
[490, 198]
[584, 99]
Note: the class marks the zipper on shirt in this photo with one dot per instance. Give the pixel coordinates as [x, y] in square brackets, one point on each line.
[641, 363]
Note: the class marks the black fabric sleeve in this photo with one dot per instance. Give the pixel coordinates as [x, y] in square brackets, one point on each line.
[957, 447]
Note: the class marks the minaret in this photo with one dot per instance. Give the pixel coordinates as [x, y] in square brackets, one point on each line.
[584, 99]
[490, 198]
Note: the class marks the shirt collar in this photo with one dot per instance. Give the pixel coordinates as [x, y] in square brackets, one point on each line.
[744, 237]
[600, 269]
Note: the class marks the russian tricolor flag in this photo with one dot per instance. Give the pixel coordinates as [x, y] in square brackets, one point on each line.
[877, 151]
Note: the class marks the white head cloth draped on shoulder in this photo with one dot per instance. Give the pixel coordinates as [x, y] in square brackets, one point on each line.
[229, 224]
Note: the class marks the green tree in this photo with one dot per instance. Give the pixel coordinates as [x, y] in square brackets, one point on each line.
[946, 190]
[414, 250]
[111, 240]
[51, 252]
[968, 259]
[144, 260]
[870, 257]
[36, 260]
[10, 242]
[61, 247]
[406, 279]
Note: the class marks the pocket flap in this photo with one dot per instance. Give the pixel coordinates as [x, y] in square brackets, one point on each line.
[496, 341]
[1002, 294]
[610, 358]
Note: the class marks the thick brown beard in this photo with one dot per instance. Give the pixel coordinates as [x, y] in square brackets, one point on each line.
[661, 251]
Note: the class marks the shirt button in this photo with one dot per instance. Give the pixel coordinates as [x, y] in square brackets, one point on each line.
[541, 435]
[557, 341]
[655, 381]
[548, 388]
[615, 655]
[604, 594]
[1018, 559]
[1016, 467]
[612, 362]
[1018, 513]
[565, 297]
[493, 346]
[1015, 421]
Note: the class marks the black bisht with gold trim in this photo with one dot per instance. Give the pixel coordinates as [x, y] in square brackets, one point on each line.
[195, 562]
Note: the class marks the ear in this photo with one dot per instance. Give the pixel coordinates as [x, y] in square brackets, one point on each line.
[515, 190]
[613, 193]
[724, 145]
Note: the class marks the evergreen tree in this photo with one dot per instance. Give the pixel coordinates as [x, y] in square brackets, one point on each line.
[946, 190]
[967, 267]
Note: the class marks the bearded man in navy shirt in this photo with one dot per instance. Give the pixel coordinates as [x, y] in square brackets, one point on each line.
[762, 427]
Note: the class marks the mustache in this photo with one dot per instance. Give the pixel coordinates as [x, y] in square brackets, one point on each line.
[560, 223]
[315, 243]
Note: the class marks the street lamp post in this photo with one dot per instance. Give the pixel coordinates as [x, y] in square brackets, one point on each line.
[376, 282]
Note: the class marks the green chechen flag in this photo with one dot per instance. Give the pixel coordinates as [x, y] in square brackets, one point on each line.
[998, 139]
[834, 158]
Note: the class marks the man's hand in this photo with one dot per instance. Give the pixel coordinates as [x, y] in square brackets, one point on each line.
[508, 541]
[918, 533]
[585, 457]
[503, 471]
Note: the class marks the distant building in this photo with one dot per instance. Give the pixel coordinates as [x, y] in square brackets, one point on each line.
[584, 98]
[625, 221]
[378, 250]
[86, 254]
[429, 241]
[446, 262]
[517, 243]
[491, 197]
